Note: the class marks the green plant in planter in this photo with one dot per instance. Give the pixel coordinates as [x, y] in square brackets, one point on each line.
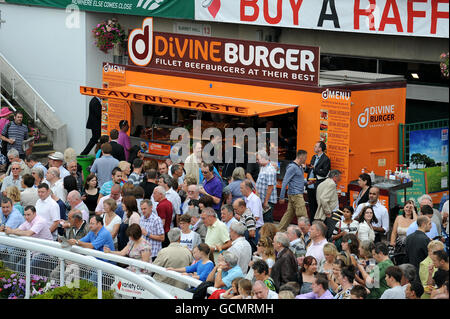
[86, 290]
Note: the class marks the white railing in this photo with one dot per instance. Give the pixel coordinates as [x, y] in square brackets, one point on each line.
[2, 57]
[32, 103]
[192, 282]
[6, 100]
[84, 256]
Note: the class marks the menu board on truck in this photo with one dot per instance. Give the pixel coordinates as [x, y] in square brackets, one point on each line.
[335, 130]
[114, 110]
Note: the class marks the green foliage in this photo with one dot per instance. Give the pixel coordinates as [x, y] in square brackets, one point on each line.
[86, 290]
[5, 272]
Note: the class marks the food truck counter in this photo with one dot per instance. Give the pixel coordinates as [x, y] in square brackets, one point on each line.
[388, 193]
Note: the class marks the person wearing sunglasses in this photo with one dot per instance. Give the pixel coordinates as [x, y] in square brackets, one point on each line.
[14, 179]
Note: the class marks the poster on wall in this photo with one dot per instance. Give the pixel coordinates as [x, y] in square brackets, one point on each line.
[419, 187]
[428, 152]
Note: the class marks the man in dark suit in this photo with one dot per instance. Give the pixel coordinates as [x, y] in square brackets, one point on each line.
[117, 149]
[93, 123]
[417, 242]
[285, 268]
[317, 170]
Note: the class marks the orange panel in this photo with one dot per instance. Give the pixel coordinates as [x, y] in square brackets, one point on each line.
[376, 115]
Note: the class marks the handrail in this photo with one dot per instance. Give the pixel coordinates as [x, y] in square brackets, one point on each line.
[85, 260]
[26, 82]
[7, 102]
[123, 260]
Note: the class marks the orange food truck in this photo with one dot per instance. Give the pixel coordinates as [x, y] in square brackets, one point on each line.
[236, 83]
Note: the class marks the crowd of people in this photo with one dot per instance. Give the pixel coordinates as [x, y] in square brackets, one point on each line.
[190, 219]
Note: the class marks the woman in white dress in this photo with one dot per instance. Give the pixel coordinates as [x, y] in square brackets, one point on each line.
[111, 221]
[402, 222]
[365, 227]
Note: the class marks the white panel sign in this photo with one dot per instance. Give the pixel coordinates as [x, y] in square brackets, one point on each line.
[425, 18]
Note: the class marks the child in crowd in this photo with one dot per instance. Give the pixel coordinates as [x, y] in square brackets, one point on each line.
[358, 292]
[245, 289]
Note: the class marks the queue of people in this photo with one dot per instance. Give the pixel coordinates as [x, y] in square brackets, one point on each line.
[186, 219]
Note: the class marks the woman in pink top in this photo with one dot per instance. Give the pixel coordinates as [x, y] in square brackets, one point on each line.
[129, 206]
[4, 114]
[124, 139]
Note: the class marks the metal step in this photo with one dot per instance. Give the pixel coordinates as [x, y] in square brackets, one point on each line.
[42, 146]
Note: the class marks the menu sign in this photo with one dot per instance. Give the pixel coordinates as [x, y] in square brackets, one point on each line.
[335, 130]
[224, 59]
[113, 110]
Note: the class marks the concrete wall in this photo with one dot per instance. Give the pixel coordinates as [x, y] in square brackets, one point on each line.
[48, 55]
[55, 60]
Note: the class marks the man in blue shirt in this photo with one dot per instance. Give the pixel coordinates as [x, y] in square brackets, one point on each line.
[10, 216]
[105, 190]
[211, 186]
[294, 178]
[97, 238]
[433, 233]
[104, 165]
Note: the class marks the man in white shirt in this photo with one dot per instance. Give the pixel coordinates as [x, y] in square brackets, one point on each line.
[240, 246]
[48, 209]
[56, 159]
[261, 291]
[176, 171]
[253, 202]
[115, 194]
[192, 193]
[382, 227]
[172, 196]
[75, 202]
[55, 183]
[228, 215]
[318, 240]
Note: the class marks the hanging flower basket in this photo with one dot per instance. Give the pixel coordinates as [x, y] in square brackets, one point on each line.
[444, 64]
[109, 34]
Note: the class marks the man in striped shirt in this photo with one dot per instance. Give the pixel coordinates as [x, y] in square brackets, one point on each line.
[152, 228]
[245, 217]
[14, 133]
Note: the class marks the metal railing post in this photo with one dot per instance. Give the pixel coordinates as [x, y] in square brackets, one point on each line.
[61, 272]
[99, 284]
[28, 274]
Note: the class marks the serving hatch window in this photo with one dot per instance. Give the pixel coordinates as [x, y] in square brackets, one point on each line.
[155, 123]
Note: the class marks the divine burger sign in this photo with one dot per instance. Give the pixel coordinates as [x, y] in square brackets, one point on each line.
[223, 59]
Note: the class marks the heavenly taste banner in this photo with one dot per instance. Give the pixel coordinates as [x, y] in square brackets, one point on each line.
[424, 18]
[181, 9]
